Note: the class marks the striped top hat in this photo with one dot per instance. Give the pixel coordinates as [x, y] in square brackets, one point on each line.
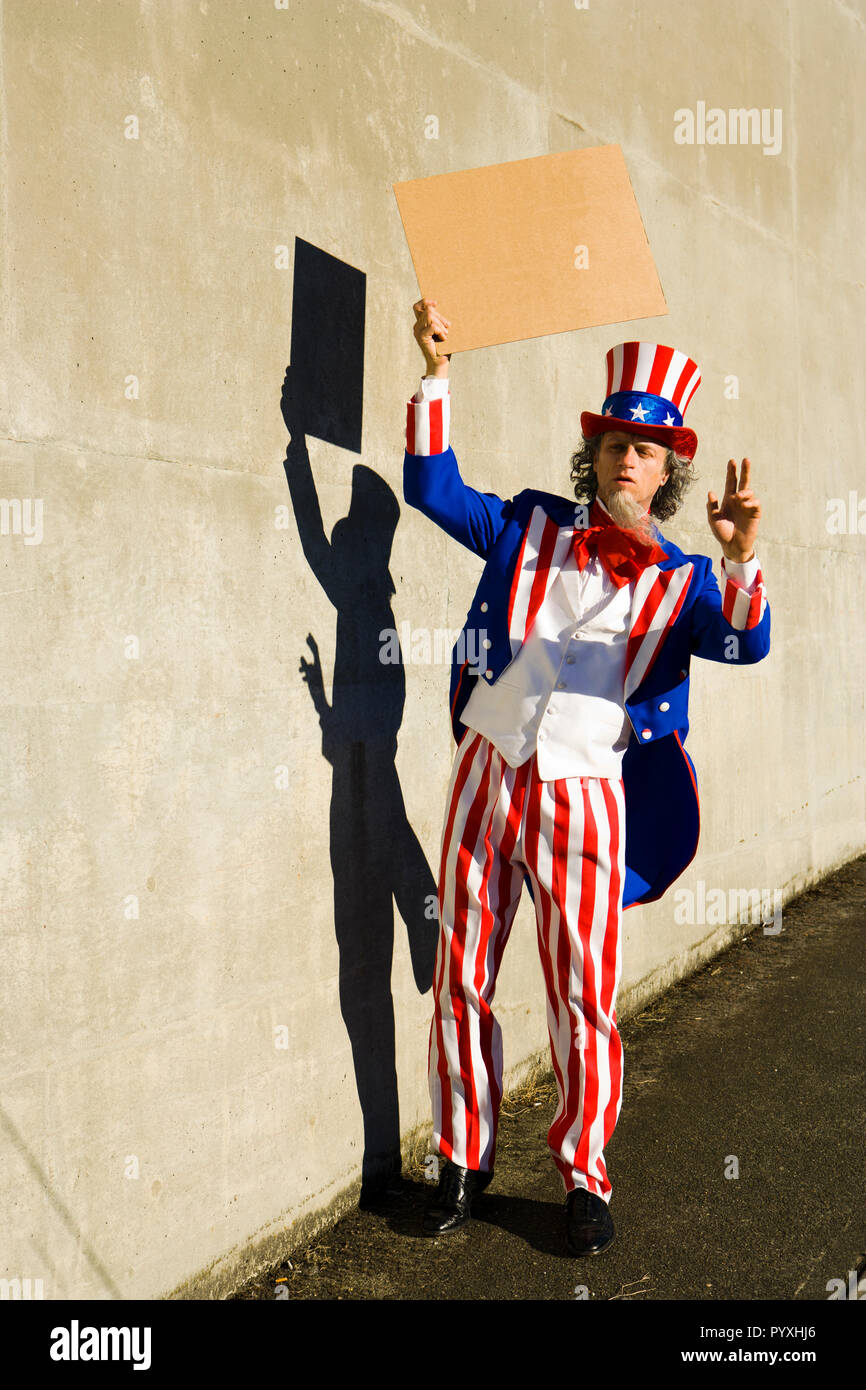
[648, 389]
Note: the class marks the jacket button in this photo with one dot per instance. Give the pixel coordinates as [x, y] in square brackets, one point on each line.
[484, 608]
[486, 643]
[646, 733]
[664, 705]
[488, 673]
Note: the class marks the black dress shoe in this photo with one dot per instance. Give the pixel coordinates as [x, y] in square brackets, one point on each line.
[450, 1207]
[589, 1224]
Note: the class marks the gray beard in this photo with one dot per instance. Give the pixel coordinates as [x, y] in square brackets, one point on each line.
[629, 516]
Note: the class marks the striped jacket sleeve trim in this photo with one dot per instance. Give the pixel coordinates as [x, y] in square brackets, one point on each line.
[743, 607]
[428, 425]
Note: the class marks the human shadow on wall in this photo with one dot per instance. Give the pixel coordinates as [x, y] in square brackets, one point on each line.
[376, 859]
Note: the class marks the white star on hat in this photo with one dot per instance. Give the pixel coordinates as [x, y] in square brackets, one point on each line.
[638, 413]
[669, 420]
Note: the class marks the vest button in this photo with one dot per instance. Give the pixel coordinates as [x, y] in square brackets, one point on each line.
[646, 733]
[484, 608]
[664, 705]
[486, 643]
[488, 673]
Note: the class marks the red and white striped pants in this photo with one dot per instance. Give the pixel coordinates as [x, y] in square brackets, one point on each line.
[569, 837]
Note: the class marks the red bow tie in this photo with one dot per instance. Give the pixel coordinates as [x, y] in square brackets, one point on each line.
[622, 554]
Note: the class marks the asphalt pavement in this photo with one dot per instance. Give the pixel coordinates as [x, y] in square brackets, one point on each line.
[737, 1164]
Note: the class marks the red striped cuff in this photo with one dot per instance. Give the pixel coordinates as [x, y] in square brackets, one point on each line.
[743, 607]
[428, 425]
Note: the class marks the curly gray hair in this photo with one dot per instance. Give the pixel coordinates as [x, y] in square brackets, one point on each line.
[668, 499]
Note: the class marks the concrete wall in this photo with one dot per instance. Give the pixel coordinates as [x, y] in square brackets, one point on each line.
[178, 1082]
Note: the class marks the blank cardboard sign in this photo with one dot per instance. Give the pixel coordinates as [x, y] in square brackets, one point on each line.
[531, 247]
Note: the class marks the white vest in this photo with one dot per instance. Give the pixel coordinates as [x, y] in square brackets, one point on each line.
[562, 695]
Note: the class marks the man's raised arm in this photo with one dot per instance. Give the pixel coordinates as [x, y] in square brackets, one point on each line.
[431, 478]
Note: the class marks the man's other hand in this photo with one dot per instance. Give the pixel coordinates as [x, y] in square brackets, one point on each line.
[734, 520]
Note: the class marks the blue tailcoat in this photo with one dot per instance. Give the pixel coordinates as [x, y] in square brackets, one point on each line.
[660, 784]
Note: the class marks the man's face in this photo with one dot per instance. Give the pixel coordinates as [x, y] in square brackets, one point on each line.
[627, 463]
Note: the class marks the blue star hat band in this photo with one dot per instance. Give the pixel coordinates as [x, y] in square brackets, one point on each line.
[649, 387]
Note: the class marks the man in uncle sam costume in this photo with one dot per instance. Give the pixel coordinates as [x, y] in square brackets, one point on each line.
[569, 705]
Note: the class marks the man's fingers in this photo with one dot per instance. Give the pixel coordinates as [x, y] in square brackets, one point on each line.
[731, 478]
[430, 333]
[744, 473]
[425, 306]
[436, 324]
[427, 315]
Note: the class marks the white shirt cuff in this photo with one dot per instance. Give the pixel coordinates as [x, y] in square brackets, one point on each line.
[432, 388]
[744, 573]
